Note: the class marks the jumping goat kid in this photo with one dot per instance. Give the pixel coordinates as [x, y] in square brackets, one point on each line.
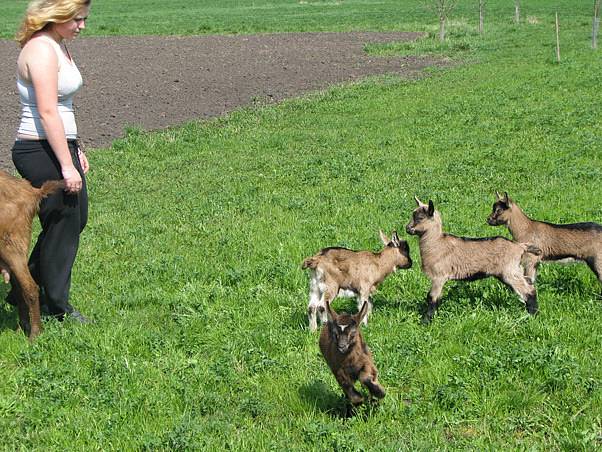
[342, 272]
[445, 256]
[347, 355]
[558, 242]
[19, 203]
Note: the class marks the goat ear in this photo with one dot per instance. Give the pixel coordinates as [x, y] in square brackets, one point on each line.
[360, 315]
[330, 314]
[506, 199]
[395, 238]
[418, 202]
[498, 196]
[431, 210]
[384, 238]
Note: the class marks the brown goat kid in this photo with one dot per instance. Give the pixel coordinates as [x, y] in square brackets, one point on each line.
[347, 354]
[342, 272]
[19, 203]
[445, 256]
[558, 242]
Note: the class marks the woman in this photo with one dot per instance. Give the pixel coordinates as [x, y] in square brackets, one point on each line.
[46, 144]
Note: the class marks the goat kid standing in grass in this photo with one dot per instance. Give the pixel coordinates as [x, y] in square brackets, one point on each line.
[445, 256]
[342, 272]
[19, 203]
[558, 242]
[347, 354]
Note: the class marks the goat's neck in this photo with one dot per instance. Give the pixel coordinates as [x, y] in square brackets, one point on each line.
[430, 238]
[519, 224]
[386, 262]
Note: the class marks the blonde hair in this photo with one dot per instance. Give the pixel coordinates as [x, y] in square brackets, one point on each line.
[40, 13]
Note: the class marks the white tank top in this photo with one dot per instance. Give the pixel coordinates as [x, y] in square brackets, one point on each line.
[69, 82]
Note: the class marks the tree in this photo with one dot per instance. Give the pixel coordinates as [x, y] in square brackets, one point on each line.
[481, 15]
[517, 11]
[442, 8]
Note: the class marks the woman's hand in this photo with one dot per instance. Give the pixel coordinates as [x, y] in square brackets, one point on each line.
[73, 181]
[83, 161]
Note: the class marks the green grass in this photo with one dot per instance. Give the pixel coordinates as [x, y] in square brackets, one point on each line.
[190, 264]
[184, 17]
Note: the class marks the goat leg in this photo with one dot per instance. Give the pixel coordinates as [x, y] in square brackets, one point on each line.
[347, 385]
[28, 301]
[311, 315]
[314, 303]
[595, 265]
[531, 303]
[24, 323]
[432, 301]
[364, 297]
[525, 290]
[369, 380]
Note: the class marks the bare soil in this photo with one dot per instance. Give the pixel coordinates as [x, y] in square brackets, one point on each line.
[153, 82]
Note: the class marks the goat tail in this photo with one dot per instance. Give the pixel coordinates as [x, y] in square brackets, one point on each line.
[49, 187]
[531, 249]
[310, 262]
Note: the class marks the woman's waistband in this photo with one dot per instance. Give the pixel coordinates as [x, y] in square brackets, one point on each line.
[42, 144]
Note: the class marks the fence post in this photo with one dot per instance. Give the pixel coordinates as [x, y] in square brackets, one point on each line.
[596, 24]
[557, 40]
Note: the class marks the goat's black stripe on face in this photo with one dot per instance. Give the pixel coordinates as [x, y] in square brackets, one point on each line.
[501, 205]
[420, 214]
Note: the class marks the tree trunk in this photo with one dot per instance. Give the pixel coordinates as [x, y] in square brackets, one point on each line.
[517, 11]
[482, 15]
[596, 24]
[442, 19]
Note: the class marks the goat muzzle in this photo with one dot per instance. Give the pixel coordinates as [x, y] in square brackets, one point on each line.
[405, 266]
[492, 221]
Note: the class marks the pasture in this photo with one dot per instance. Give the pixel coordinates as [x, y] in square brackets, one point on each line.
[190, 264]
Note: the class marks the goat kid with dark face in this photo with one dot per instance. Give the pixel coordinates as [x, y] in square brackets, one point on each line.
[19, 203]
[347, 355]
[558, 242]
[342, 272]
[445, 256]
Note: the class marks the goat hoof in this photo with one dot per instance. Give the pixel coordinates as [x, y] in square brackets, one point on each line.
[356, 401]
[427, 318]
[379, 393]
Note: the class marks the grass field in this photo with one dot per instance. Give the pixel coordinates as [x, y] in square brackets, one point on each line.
[190, 264]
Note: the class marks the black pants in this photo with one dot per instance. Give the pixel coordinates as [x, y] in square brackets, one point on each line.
[62, 216]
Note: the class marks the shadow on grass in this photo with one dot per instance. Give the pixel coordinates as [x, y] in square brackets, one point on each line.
[570, 279]
[465, 296]
[8, 314]
[320, 396]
